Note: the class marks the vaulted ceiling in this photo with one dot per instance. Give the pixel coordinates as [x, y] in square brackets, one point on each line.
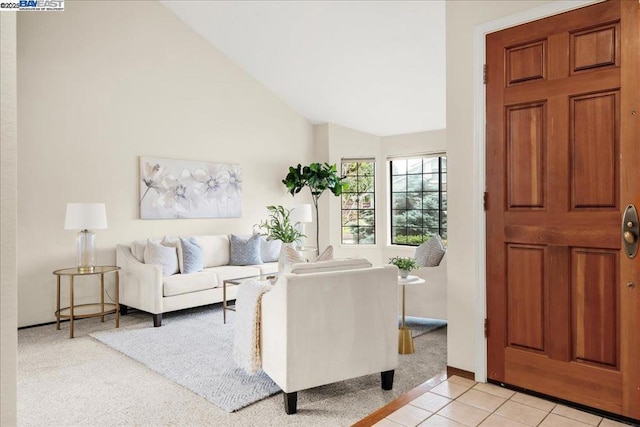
[374, 66]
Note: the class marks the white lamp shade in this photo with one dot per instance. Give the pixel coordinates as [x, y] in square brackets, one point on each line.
[85, 216]
[301, 213]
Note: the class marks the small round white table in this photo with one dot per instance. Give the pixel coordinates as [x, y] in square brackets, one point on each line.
[405, 340]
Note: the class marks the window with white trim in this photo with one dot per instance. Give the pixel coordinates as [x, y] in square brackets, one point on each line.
[358, 202]
[418, 199]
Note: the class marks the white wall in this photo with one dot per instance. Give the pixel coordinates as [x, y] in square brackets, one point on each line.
[348, 143]
[106, 82]
[8, 210]
[462, 254]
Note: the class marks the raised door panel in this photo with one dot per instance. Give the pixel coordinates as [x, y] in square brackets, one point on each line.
[526, 156]
[526, 62]
[595, 48]
[594, 306]
[594, 147]
[525, 296]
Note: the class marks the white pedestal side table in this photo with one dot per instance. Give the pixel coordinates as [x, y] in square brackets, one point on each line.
[405, 340]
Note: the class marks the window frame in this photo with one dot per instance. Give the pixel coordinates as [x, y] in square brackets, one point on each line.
[350, 192]
[442, 197]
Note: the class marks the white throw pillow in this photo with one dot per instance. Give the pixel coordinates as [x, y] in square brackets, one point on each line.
[326, 255]
[164, 256]
[189, 260]
[270, 249]
[293, 257]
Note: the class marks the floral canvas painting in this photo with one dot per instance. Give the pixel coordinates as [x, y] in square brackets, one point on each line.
[189, 189]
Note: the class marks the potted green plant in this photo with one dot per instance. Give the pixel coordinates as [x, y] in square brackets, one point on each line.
[278, 226]
[404, 264]
[317, 177]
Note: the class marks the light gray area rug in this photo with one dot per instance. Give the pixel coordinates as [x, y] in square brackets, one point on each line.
[82, 382]
[195, 349]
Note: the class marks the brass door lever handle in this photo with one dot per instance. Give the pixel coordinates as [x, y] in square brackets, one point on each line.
[630, 231]
[629, 237]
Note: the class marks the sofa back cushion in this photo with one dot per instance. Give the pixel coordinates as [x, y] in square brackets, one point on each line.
[341, 264]
[215, 249]
[138, 246]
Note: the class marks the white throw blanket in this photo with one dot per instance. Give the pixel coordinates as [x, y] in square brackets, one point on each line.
[246, 342]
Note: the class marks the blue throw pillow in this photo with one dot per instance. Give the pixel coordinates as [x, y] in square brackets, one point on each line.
[192, 256]
[245, 250]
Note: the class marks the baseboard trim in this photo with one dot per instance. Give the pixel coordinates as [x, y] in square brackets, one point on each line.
[53, 322]
[401, 401]
[451, 371]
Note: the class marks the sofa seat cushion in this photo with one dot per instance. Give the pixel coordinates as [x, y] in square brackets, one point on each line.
[267, 268]
[226, 272]
[179, 284]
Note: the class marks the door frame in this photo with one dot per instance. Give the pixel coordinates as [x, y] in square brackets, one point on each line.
[479, 172]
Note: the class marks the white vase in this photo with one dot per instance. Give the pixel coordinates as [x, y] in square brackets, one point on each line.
[281, 258]
[404, 273]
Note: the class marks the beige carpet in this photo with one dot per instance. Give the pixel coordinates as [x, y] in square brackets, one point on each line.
[82, 382]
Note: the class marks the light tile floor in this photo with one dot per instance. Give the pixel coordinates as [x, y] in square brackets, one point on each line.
[463, 402]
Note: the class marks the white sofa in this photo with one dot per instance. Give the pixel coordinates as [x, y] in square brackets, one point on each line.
[320, 326]
[143, 286]
[429, 299]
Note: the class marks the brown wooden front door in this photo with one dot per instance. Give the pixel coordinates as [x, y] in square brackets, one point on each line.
[562, 161]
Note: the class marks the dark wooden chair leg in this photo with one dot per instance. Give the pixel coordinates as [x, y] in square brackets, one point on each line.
[124, 310]
[387, 379]
[157, 320]
[291, 403]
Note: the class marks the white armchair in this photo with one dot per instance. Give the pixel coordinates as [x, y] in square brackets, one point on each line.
[322, 327]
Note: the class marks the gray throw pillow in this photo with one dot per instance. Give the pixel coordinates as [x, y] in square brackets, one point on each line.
[430, 253]
[245, 251]
[192, 256]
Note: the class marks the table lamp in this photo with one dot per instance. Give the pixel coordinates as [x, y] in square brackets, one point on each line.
[301, 214]
[84, 217]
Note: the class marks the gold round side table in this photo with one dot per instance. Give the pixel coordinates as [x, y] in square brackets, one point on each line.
[405, 340]
[82, 311]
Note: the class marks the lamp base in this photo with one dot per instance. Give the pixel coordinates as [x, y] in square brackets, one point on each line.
[85, 256]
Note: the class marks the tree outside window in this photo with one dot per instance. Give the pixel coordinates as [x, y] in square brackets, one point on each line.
[418, 199]
[358, 203]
